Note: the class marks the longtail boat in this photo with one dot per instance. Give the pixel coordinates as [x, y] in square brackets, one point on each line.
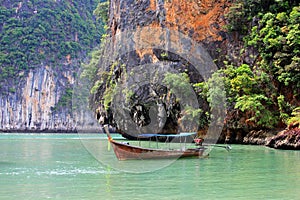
[124, 151]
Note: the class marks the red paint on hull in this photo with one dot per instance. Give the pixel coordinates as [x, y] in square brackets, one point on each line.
[127, 152]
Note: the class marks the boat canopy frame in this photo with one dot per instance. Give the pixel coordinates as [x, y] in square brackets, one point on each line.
[151, 135]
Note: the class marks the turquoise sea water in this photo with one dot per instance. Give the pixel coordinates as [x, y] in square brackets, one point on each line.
[42, 166]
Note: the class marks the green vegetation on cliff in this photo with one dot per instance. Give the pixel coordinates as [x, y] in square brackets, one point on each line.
[263, 85]
[39, 33]
[265, 92]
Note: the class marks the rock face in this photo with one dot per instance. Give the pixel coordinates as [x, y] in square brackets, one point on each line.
[149, 31]
[288, 139]
[33, 107]
[42, 45]
[258, 137]
[202, 20]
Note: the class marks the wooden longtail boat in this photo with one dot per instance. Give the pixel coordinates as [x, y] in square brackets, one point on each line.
[125, 151]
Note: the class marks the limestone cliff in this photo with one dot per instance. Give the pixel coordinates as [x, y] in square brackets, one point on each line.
[42, 46]
[202, 20]
[32, 106]
[162, 32]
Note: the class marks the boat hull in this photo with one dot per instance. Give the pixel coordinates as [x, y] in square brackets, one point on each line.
[128, 152]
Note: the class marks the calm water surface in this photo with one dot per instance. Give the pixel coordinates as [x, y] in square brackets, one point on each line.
[60, 167]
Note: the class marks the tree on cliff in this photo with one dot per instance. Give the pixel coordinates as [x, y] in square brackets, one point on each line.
[42, 46]
[40, 33]
[272, 92]
[262, 85]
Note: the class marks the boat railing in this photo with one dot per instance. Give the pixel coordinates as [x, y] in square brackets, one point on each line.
[180, 136]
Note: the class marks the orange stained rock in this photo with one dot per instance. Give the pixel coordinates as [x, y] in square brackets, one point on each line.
[143, 52]
[147, 37]
[197, 15]
[152, 5]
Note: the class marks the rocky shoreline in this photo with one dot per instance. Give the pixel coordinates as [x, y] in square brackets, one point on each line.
[57, 131]
[259, 137]
[287, 139]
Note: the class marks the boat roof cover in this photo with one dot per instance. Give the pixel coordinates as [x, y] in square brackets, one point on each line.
[148, 135]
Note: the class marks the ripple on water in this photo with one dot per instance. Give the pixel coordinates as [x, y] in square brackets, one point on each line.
[74, 172]
[56, 171]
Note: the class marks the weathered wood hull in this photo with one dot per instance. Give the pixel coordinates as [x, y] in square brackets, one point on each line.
[128, 152]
